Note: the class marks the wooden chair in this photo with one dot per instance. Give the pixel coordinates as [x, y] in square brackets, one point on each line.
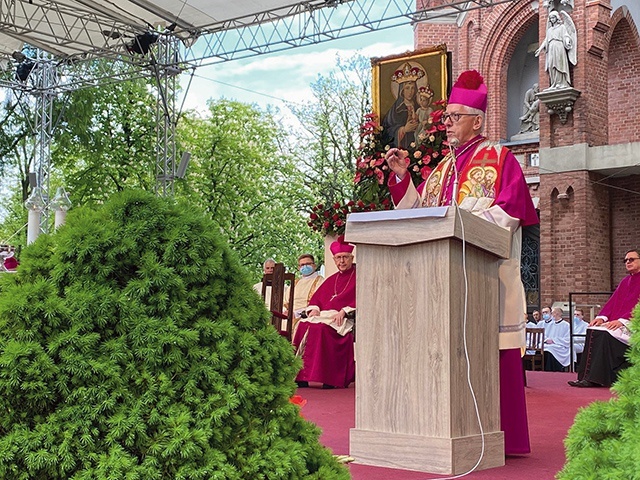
[280, 283]
[534, 351]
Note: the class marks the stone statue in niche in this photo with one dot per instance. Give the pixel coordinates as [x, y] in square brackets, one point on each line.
[530, 119]
[560, 45]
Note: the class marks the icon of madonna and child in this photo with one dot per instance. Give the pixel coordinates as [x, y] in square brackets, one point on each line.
[407, 121]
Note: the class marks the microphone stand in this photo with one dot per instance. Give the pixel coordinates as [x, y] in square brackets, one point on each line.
[454, 196]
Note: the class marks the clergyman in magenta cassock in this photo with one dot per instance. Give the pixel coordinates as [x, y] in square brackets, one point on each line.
[490, 184]
[324, 339]
[607, 340]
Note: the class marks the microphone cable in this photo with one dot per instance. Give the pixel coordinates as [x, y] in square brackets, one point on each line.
[454, 203]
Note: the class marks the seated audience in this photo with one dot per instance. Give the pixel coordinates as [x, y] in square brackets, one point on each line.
[324, 339]
[536, 318]
[267, 268]
[9, 261]
[579, 325]
[557, 336]
[546, 317]
[305, 287]
[607, 339]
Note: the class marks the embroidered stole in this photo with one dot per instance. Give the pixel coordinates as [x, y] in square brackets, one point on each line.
[480, 177]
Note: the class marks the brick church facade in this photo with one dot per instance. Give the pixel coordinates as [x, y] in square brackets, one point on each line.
[583, 170]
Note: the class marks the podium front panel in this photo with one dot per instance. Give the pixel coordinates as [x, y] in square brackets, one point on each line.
[411, 373]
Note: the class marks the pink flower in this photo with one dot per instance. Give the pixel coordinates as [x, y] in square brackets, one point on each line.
[436, 115]
[380, 175]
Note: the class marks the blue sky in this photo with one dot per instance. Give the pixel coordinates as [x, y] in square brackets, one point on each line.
[269, 79]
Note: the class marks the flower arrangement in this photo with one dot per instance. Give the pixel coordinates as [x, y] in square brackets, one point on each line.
[332, 219]
[372, 171]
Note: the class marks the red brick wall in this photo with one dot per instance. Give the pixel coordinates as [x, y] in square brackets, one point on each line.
[485, 42]
[575, 235]
[623, 74]
[427, 35]
[625, 220]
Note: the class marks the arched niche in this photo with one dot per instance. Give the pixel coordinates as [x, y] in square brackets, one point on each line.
[521, 75]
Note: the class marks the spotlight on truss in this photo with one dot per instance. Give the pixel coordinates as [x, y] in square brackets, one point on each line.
[112, 34]
[142, 43]
[24, 69]
[18, 56]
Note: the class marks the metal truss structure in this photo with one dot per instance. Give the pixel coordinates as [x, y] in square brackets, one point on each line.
[302, 25]
[77, 32]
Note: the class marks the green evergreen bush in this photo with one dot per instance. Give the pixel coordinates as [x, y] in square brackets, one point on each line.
[604, 441]
[133, 347]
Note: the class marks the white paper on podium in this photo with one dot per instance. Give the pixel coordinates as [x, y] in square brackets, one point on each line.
[427, 212]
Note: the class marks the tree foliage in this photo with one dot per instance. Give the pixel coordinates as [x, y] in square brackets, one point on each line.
[604, 441]
[331, 122]
[132, 346]
[239, 175]
[106, 141]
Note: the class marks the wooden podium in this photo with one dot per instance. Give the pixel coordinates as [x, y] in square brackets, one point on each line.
[414, 408]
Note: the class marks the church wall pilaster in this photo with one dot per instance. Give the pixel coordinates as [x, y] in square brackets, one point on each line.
[622, 47]
[575, 236]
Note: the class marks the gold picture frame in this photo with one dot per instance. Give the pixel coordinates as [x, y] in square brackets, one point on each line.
[426, 69]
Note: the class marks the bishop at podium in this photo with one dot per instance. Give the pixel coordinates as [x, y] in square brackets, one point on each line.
[495, 189]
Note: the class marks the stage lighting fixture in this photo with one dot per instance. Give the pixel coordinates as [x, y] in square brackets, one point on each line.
[184, 163]
[112, 34]
[24, 69]
[18, 56]
[141, 43]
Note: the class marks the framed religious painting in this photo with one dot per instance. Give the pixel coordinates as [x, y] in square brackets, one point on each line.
[405, 90]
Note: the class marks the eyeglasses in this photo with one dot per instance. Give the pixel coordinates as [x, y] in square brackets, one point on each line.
[339, 258]
[630, 259]
[455, 117]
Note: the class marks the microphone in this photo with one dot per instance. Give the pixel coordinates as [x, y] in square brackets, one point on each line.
[453, 143]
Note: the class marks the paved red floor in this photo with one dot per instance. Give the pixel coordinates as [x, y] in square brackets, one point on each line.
[551, 405]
